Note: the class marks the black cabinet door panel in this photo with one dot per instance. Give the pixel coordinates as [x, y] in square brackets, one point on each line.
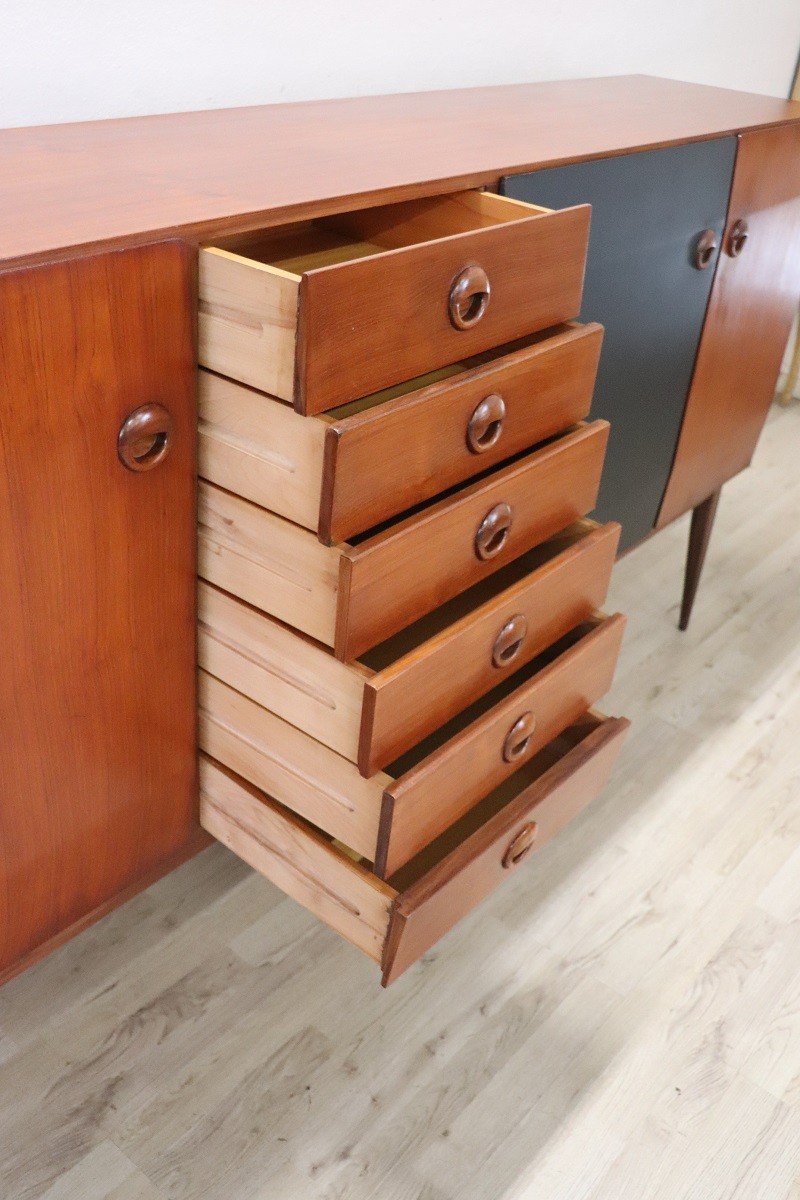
[641, 284]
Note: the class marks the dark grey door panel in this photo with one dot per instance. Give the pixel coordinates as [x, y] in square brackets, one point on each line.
[641, 284]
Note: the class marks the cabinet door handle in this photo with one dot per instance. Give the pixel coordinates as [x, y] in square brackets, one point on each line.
[469, 297]
[492, 533]
[705, 248]
[508, 642]
[486, 424]
[739, 233]
[518, 738]
[144, 438]
[520, 845]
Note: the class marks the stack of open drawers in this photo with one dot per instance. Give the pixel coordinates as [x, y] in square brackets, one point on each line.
[400, 641]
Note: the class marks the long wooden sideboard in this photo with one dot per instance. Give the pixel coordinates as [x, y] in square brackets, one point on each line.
[454, 350]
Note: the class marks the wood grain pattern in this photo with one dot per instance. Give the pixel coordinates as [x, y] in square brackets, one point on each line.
[448, 773]
[247, 320]
[353, 596]
[753, 303]
[381, 587]
[287, 673]
[370, 323]
[295, 857]
[351, 469]
[97, 565]
[287, 763]
[391, 456]
[372, 711]
[71, 185]
[434, 903]
[425, 687]
[275, 565]
[431, 796]
[260, 448]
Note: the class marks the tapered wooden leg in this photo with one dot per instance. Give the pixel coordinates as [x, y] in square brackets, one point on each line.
[699, 536]
[793, 374]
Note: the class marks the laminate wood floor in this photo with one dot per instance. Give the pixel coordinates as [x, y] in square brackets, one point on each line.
[622, 1021]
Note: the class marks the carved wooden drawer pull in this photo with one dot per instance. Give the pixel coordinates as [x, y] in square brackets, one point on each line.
[469, 297]
[486, 424]
[520, 845]
[493, 531]
[508, 642]
[737, 238]
[144, 438]
[518, 738]
[704, 249]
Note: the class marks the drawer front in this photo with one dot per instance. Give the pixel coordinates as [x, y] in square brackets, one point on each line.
[435, 902]
[422, 690]
[373, 322]
[389, 817]
[396, 576]
[448, 782]
[393, 455]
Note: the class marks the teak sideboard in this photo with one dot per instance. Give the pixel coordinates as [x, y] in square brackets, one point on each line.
[365, 367]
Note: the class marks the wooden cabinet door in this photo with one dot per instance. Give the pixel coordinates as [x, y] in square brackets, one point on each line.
[97, 590]
[753, 304]
[642, 285]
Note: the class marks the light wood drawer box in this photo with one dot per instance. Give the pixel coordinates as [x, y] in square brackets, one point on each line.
[396, 921]
[391, 816]
[329, 310]
[375, 708]
[356, 594]
[354, 467]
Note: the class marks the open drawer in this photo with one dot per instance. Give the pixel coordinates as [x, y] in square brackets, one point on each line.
[390, 817]
[326, 311]
[396, 921]
[356, 594]
[349, 469]
[374, 709]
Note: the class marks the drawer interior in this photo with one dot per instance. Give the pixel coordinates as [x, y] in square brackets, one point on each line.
[492, 804]
[344, 237]
[461, 607]
[439, 737]
[419, 382]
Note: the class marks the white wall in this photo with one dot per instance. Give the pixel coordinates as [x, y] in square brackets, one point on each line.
[67, 60]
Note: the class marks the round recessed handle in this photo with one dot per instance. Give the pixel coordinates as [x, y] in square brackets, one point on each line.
[492, 533]
[145, 437]
[737, 238]
[518, 738]
[705, 248]
[520, 845]
[508, 642]
[486, 424]
[469, 297]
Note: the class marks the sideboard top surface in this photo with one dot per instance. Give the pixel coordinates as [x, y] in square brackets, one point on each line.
[198, 173]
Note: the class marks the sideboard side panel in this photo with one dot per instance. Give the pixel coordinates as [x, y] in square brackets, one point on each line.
[753, 303]
[97, 589]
